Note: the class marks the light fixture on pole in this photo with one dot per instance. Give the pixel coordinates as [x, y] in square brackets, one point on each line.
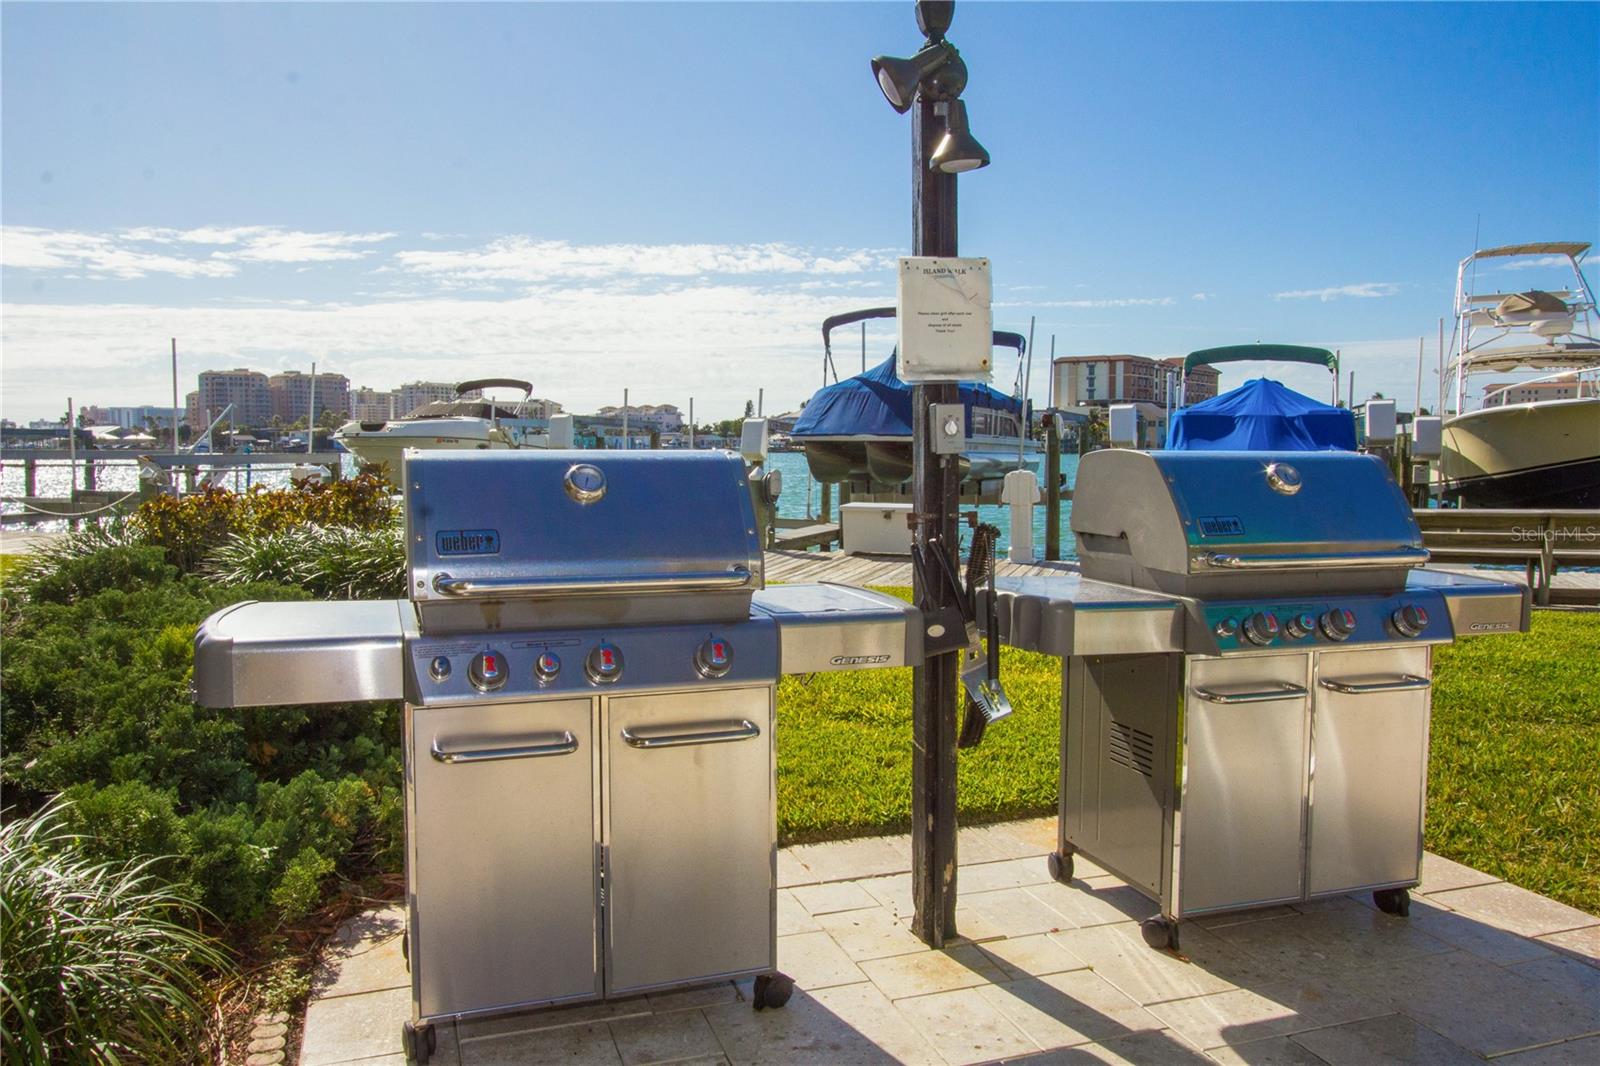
[958, 150]
[901, 78]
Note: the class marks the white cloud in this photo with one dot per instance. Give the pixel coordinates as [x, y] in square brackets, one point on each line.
[1202, 296]
[524, 259]
[147, 250]
[1365, 289]
[581, 345]
[31, 248]
[1123, 301]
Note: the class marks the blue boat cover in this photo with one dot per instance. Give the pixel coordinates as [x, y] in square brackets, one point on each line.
[1262, 415]
[878, 404]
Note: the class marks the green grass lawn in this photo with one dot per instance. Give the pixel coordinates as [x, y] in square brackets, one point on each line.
[1514, 787]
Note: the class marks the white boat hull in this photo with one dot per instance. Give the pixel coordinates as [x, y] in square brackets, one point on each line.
[383, 446]
[1542, 455]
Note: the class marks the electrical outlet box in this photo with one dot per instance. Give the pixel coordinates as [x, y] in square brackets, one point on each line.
[948, 422]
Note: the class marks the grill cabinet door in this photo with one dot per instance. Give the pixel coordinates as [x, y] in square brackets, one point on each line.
[1244, 782]
[1370, 768]
[503, 868]
[690, 833]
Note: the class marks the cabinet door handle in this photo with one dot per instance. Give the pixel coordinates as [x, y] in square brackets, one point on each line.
[535, 748]
[1283, 691]
[1388, 684]
[741, 730]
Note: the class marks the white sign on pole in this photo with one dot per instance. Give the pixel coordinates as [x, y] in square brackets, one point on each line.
[945, 319]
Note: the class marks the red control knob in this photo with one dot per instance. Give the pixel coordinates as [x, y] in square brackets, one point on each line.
[1261, 628]
[714, 658]
[488, 671]
[1338, 624]
[604, 664]
[1410, 620]
[547, 666]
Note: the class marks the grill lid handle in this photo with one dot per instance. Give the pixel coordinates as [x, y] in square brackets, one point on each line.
[1400, 557]
[735, 577]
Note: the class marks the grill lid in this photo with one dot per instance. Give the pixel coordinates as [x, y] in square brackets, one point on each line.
[1243, 523]
[527, 537]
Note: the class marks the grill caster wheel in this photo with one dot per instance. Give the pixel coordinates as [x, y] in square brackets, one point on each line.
[772, 990]
[1160, 932]
[1396, 901]
[420, 1042]
[1060, 865]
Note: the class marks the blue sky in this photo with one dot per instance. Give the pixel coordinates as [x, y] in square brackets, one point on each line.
[671, 197]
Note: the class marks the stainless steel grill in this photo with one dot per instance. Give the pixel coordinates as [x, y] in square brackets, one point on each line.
[1246, 673]
[588, 659]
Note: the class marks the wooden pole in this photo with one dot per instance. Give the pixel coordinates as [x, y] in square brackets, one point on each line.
[1052, 492]
[30, 477]
[72, 453]
[935, 686]
[174, 396]
[827, 501]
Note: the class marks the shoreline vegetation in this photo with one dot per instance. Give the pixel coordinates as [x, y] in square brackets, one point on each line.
[258, 829]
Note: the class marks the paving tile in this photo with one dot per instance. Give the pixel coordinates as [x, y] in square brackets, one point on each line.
[867, 1011]
[1037, 834]
[351, 1027]
[1585, 1052]
[1390, 1040]
[1119, 954]
[551, 1018]
[983, 844]
[1159, 1048]
[1441, 875]
[848, 860]
[710, 995]
[1273, 1051]
[791, 871]
[815, 961]
[1574, 981]
[1233, 1017]
[1098, 901]
[964, 1027]
[1065, 1009]
[793, 918]
[364, 955]
[1514, 908]
[893, 892]
[1485, 1008]
[574, 1045]
[835, 896]
[1030, 956]
[1468, 933]
[1330, 940]
[664, 1038]
[1219, 921]
[1006, 873]
[928, 972]
[870, 934]
[1015, 912]
[1580, 943]
[802, 1031]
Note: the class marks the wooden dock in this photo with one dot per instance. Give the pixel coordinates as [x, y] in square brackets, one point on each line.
[789, 567]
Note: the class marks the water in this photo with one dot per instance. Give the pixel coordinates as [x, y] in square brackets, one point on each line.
[792, 504]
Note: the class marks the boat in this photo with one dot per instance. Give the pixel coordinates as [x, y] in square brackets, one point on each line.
[469, 421]
[1262, 414]
[1531, 440]
[859, 429]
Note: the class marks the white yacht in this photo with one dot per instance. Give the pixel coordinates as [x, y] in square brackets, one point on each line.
[469, 421]
[1532, 438]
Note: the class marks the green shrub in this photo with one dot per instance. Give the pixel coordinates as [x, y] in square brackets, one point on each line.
[76, 576]
[102, 962]
[332, 562]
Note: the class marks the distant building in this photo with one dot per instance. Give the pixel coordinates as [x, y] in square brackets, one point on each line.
[413, 394]
[1201, 383]
[93, 415]
[373, 405]
[291, 394]
[246, 389]
[1511, 392]
[1084, 383]
[664, 418]
[139, 417]
[193, 416]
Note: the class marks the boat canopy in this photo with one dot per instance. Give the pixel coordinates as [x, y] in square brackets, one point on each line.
[878, 404]
[1572, 248]
[1574, 356]
[494, 383]
[461, 409]
[1262, 415]
[1277, 353]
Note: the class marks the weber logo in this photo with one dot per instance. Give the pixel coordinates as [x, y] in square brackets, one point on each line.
[858, 660]
[1221, 525]
[467, 542]
[1490, 627]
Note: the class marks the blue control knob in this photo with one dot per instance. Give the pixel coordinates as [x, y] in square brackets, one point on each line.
[547, 666]
[439, 668]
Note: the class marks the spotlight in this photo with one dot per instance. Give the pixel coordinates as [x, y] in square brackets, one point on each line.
[958, 150]
[900, 78]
